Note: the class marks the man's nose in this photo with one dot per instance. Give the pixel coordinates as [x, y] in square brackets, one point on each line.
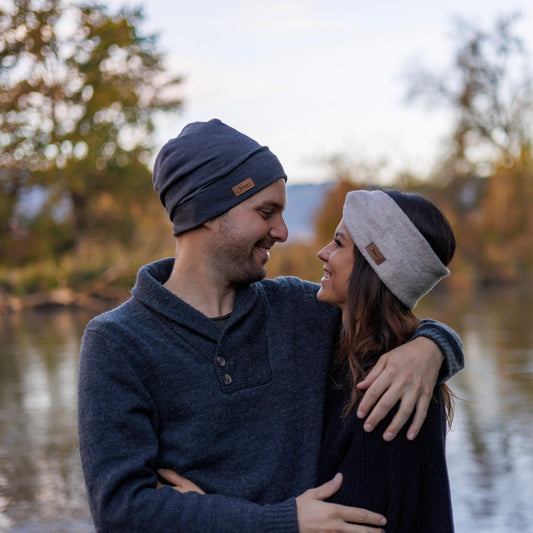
[279, 230]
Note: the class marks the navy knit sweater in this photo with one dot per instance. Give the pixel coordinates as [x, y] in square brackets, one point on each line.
[237, 410]
[405, 481]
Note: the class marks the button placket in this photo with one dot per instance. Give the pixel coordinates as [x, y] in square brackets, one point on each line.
[222, 366]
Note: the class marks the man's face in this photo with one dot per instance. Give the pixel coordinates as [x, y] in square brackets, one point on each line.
[242, 237]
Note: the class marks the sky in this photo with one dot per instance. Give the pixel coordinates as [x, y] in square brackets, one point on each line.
[312, 79]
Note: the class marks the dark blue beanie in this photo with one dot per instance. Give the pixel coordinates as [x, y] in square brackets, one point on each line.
[209, 168]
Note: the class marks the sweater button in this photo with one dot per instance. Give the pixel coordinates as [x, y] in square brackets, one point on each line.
[227, 379]
[220, 360]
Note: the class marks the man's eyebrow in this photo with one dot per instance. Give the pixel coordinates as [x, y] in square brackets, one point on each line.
[273, 204]
[340, 234]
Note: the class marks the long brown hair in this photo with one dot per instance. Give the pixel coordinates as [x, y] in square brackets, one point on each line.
[377, 320]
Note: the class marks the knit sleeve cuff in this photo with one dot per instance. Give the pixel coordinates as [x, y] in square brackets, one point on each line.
[281, 517]
[449, 343]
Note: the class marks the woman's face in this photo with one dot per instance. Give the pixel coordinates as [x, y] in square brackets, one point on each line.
[338, 257]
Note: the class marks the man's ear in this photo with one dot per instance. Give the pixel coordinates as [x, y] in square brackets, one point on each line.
[212, 224]
[209, 225]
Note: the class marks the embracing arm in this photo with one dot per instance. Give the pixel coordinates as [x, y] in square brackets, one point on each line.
[408, 374]
[449, 344]
[314, 514]
[119, 450]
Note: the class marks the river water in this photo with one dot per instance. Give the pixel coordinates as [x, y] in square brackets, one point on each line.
[490, 449]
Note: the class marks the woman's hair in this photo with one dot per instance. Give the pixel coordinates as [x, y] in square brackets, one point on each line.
[377, 320]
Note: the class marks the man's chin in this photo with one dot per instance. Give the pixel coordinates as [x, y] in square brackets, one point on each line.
[251, 277]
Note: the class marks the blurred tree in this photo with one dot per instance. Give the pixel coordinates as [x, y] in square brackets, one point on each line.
[489, 171]
[79, 88]
[349, 176]
[295, 259]
[490, 89]
[498, 239]
[328, 216]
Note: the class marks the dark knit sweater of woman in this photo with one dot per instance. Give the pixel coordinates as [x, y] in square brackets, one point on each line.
[406, 481]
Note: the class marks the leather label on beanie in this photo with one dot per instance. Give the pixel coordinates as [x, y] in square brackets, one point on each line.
[375, 253]
[243, 186]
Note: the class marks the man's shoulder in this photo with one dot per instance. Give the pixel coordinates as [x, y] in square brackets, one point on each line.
[297, 294]
[287, 284]
[118, 317]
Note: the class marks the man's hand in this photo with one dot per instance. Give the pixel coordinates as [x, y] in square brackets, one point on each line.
[408, 373]
[180, 483]
[317, 516]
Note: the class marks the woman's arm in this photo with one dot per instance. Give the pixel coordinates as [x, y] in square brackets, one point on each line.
[405, 480]
[418, 491]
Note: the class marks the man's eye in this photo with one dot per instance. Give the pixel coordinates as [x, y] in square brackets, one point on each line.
[337, 242]
[265, 213]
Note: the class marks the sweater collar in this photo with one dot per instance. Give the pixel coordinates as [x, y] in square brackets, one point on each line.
[149, 290]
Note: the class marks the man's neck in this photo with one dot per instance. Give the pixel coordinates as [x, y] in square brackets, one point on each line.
[193, 285]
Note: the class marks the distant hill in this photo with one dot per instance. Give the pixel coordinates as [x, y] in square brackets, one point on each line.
[303, 200]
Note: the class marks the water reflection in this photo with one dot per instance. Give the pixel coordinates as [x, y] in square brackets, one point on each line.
[490, 451]
[40, 476]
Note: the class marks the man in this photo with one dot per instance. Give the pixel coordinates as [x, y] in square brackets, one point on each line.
[213, 372]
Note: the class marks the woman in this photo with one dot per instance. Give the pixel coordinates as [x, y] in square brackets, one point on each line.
[389, 250]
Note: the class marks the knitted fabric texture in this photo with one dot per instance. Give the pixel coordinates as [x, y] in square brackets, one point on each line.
[393, 246]
[209, 168]
[405, 480]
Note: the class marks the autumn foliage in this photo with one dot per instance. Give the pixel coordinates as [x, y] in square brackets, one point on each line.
[77, 112]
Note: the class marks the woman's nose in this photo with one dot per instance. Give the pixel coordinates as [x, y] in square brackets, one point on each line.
[323, 254]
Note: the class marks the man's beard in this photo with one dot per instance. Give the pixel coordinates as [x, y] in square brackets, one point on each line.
[235, 257]
[240, 267]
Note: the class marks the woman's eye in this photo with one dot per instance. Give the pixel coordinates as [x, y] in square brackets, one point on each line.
[337, 242]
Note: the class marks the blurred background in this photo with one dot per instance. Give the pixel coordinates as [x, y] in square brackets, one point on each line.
[436, 99]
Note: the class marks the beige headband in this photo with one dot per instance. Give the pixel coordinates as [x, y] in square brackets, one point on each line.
[390, 242]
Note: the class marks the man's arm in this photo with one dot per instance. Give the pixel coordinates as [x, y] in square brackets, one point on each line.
[314, 515]
[408, 374]
[119, 450]
[449, 344]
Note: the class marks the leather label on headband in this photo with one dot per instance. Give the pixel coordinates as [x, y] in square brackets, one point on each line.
[243, 186]
[375, 254]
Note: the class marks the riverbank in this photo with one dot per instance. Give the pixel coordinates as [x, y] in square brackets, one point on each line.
[96, 300]
[97, 296]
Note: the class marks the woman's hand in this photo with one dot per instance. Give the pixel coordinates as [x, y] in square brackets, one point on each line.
[180, 483]
[407, 374]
